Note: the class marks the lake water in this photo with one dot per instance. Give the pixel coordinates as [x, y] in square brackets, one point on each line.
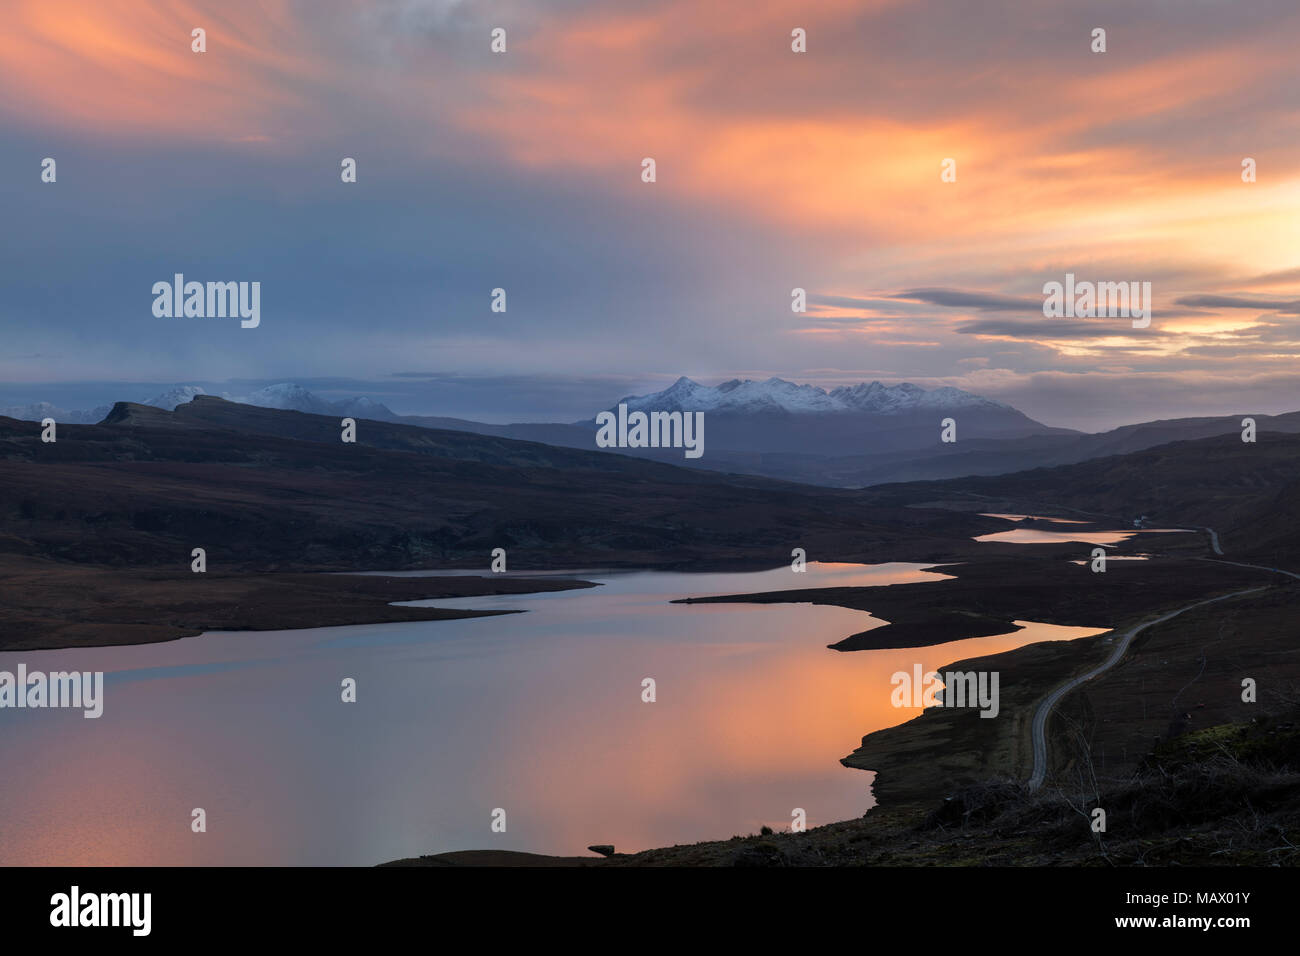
[538, 713]
[1036, 536]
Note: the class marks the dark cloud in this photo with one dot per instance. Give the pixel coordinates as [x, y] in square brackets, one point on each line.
[958, 299]
[1267, 303]
[1053, 328]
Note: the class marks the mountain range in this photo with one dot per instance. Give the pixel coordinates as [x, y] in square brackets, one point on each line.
[850, 436]
[267, 489]
[777, 396]
[286, 396]
[740, 397]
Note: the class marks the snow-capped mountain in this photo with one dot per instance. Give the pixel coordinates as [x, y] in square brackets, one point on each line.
[288, 396]
[886, 399]
[748, 418]
[362, 407]
[175, 396]
[92, 416]
[778, 395]
[64, 416]
[295, 398]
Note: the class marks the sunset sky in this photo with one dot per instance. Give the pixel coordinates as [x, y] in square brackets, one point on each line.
[775, 169]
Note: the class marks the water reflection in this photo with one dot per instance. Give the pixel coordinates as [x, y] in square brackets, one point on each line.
[1036, 536]
[537, 713]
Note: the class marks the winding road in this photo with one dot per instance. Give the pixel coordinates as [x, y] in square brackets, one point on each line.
[1044, 710]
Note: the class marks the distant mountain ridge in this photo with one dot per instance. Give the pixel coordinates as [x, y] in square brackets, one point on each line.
[175, 396]
[737, 396]
[39, 411]
[747, 397]
[290, 397]
[278, 490]
[285, 396]
[751, 424]
[850, 436]
[772, 428]
[750, 421]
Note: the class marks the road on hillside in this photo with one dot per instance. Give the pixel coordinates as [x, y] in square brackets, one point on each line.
[1045, 706]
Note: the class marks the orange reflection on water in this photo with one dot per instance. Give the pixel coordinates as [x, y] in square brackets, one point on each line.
[540, 714]
[740, 735]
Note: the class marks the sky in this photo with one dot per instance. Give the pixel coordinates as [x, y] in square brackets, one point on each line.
[774, 169]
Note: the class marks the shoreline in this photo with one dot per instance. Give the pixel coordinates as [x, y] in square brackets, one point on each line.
[923, 763]
[916, 762]
[892, 751]
[59, 607]
[57, 604]
[964, 815]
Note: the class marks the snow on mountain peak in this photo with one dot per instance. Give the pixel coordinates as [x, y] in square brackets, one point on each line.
[42, 410]
[746, 396]
[286, 395]
[292, 397]
[178, 395]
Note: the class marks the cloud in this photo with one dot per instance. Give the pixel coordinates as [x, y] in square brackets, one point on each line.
[1254, 302]
[954, 298]
[1049, 328]
[775, 170]
[1098, 399]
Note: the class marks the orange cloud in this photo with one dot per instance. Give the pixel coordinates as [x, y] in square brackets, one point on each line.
[123, 67]
[1095, 161]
